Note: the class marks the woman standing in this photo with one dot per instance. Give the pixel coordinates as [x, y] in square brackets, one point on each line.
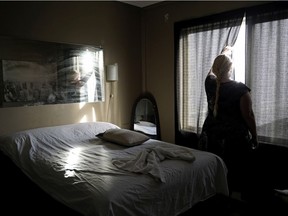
[229, 129]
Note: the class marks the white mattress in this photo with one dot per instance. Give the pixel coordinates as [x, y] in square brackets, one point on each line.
[76, 168]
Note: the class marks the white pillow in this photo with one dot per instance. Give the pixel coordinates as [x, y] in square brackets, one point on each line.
[123, 137]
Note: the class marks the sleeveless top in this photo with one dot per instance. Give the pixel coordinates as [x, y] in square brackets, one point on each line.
[227, 132]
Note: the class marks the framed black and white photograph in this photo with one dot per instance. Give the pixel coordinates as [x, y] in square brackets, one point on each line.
[29, 83]
[39, 73]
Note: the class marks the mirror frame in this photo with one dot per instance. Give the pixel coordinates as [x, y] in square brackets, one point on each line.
[150, 97]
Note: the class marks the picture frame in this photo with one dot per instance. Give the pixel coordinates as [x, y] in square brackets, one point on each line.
[38, 73]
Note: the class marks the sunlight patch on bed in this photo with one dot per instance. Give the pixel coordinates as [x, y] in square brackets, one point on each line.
[71, 161]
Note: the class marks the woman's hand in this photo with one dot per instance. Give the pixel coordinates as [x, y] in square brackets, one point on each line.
[254, 144]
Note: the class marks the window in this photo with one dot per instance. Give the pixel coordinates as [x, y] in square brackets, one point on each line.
[238, 56]
[259, 37]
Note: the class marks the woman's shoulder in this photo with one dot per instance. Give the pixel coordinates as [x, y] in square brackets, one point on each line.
[210, 80]
[235, 89]
[238, 85]
[239, 88]
[210, 76]
[242, 86]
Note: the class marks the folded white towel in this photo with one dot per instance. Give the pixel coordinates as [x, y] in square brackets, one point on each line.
[147, 161]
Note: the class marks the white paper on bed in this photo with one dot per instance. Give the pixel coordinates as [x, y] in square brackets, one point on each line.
[75, 167]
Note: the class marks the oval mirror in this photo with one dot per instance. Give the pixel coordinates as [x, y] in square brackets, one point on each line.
[145, 118]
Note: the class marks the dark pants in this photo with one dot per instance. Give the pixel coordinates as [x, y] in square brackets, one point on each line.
[237, 157]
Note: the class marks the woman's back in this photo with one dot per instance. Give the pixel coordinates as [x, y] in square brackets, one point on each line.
[229, 124]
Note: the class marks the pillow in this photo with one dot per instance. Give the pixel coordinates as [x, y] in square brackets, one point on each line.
[123, 137]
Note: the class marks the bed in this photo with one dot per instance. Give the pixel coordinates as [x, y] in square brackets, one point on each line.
[99, 169]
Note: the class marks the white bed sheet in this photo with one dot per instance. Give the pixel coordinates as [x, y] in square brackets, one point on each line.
[75, 168]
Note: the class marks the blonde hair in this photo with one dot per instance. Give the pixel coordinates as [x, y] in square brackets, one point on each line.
[221, 66]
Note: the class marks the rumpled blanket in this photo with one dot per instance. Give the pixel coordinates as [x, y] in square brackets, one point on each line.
[147, 161]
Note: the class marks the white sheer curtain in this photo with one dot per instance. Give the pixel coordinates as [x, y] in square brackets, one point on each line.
[197, 45]
[267, 71]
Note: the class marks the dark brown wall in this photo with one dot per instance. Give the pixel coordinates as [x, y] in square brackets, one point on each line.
[113, 25]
